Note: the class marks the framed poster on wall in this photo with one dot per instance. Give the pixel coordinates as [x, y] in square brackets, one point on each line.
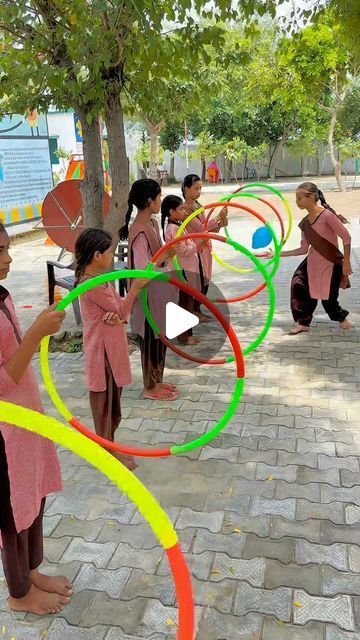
[25, 167]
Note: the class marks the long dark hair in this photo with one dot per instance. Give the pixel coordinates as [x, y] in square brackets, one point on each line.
[188, 182]
[88, 243]
[312, 190]
[169, 203]
[140, 193]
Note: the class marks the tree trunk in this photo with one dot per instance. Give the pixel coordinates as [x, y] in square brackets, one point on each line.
[153, 152]
[335, 162]
[228, 170]
[172, 164]
[203, 169]
[274, 158]
[92, 187]
[119, 165]
[318, 158]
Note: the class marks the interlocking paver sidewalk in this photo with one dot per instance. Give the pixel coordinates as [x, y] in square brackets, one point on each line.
[268, 514]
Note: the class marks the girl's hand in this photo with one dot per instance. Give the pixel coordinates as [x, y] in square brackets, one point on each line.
[48, 322]
[167, 255]
[223, 222]
[223, 214]
[112, 319]
[139, 284]
[269, 253]
[346, 269]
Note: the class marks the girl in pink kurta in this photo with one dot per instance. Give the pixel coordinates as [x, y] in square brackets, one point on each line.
[104, 314]
[29, 468]
[325, 269]
[173, 213]
[144, 241]
[191, 190]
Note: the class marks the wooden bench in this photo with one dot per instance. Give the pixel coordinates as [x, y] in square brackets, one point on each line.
[68, 281]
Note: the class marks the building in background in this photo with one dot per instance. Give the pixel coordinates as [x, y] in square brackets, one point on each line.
[25, 167]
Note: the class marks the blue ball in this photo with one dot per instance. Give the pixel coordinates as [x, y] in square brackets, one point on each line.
[261, 238]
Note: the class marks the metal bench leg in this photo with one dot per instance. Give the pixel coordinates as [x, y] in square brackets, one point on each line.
[76, 307]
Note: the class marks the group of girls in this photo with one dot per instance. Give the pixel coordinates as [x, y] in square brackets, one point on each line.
[29, 468]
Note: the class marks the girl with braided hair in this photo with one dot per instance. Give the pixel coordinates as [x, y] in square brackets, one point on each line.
[325, 269]
[144, 241]
[104, 314]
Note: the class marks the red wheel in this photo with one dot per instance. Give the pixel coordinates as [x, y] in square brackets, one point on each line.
[62, 213]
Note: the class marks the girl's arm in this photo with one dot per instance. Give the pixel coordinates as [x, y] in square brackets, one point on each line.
[47, 323]
[103, 297]
[336, 225]
[300, 251]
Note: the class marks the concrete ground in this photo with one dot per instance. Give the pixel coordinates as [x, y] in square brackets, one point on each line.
[268, 514]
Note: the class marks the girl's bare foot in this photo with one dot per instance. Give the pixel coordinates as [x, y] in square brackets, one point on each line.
[345, 324]
[202, 317]
[39, 602]
[52, 584]
[299, 328]
[192, 340]
[162, 392]
[127, 461]
[168, 385]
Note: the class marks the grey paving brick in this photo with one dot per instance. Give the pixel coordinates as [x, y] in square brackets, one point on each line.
[334, 555]
[269, 431]
[327, 448]
[199, 565]
[328, 476]
[260, 525]
[273, 631]
[306, 459]
[333, 610]
[309, 530]
[305, 412]
[331, 533]
[110, 581]
[112, 612]
[126, 556]
[253, 488]
[59, 630]
[332, 511]
[23, 631]
[344, 450]
[54, 548]
[310, 491]
[156, 619]
[217, 626]
[268, 457]
[349, 478]
[302, 432]
[292, 575]
[340, 582]
[50, 523]
[345, 494]
[261, 506]
[99, 554]
[334, 436]
[329, 462]
[228, 500]
[354, 558]
[333, 633]
[286, 444]
[70, 526]
[261, 547]
[276, 602]
[219, 595]
[267, 472]
[230, 453]
[352, 514]
[145, 585]
[211, 521]
[253, 571]
[232, 543]
[283, 420]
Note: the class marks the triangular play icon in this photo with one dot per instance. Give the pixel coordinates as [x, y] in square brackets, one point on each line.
[178, 320]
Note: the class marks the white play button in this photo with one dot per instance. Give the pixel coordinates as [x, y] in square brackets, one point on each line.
[178, 320]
